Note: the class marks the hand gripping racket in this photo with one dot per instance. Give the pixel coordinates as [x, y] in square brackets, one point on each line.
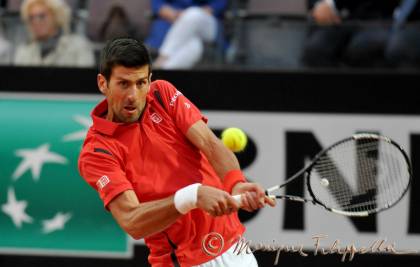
[357, 176]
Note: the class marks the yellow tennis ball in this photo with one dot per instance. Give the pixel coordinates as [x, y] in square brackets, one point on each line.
[235, 139]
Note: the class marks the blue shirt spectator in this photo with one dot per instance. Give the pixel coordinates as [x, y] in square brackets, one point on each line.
[160, 26]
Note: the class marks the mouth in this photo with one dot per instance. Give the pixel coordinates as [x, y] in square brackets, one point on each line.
[130, 109]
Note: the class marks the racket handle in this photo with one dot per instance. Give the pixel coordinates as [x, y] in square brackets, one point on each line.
[238, 199]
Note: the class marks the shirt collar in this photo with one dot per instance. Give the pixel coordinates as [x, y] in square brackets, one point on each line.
[101, 124]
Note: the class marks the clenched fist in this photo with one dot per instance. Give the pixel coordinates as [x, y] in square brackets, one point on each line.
[215, 201]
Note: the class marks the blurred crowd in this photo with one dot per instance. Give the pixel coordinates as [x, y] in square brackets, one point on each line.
[185, 34]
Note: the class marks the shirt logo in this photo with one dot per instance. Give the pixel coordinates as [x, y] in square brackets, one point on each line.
[187, 105]
[102, 182]
[174, 97]
[156, 118]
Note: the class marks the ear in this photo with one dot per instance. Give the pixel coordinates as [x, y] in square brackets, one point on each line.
[102, 84]
[149, 81]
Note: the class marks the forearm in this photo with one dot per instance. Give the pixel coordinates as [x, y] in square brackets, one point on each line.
[147, 218]
[221, 158]
[223, 161]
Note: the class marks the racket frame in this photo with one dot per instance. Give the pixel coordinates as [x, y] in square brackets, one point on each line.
[306, 173]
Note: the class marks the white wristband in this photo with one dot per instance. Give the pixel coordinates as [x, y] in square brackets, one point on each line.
[185, 199]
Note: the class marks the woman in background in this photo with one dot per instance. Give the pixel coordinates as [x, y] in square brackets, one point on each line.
[51, 43]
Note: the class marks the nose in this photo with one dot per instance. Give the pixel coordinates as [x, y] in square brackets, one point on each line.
[131, 94]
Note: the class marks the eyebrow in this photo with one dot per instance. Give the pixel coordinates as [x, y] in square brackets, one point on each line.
[125, 79]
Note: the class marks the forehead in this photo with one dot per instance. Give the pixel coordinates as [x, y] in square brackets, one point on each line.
[130, 73]
[37, 7]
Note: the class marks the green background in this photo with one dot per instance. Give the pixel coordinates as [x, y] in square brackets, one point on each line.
[27, 124]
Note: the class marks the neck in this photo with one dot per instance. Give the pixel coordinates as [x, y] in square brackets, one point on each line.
[54, 35]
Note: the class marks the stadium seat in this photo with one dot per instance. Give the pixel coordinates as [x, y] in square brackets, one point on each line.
[293, 8]
[270, 34]
[137, 11]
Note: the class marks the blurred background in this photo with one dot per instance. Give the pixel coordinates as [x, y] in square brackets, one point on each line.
[295, 75]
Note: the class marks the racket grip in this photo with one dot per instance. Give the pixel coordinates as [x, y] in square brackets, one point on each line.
[238, 199]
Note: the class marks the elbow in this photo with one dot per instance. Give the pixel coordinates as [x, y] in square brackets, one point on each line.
[136, 225]
[138, 231]
[134, 233]
[136, 236]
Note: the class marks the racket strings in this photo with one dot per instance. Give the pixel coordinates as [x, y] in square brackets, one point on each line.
[366, 174]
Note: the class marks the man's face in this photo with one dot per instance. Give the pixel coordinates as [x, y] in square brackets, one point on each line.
[126, 92]
[41, 22]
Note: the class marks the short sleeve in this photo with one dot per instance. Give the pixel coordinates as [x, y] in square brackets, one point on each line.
[101, 170]
[179, 107]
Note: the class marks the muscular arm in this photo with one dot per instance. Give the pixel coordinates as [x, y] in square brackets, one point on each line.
[140, 220]
[223, 160]
[143, 219]
[220, 157]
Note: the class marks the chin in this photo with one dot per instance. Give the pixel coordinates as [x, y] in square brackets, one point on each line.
[131, 119]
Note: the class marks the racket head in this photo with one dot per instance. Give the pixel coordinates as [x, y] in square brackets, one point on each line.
[360, 175]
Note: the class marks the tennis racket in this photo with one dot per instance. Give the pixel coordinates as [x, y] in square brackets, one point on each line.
[357, 176]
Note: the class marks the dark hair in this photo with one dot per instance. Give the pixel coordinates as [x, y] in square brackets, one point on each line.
[127, 52]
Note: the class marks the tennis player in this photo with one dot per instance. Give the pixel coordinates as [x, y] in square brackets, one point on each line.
[159, 169]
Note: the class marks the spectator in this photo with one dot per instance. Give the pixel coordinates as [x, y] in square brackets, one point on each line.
[5, 48]
[363, 33]
[181, 28]
[48, 22]
[5, 51]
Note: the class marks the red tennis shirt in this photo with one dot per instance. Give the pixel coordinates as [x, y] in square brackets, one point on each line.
[154, 158]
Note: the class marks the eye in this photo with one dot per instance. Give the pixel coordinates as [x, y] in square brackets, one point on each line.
[141, 83]
[123, 83]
